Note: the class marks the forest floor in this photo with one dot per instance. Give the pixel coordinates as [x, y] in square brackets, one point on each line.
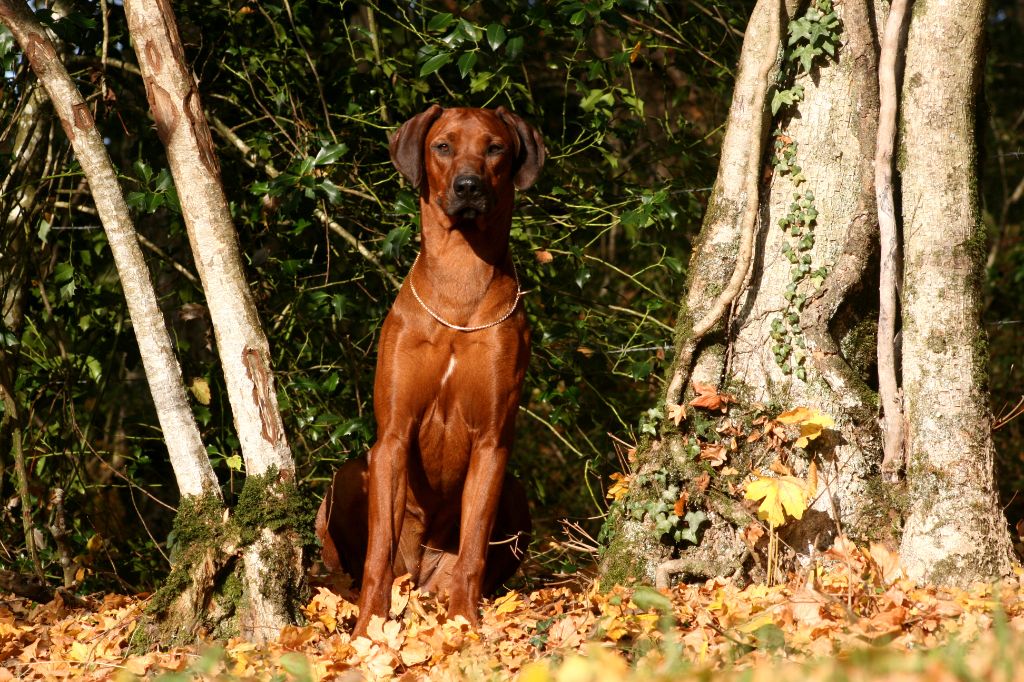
[852, 616]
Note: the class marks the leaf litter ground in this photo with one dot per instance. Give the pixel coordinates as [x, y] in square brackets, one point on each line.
[850, 615]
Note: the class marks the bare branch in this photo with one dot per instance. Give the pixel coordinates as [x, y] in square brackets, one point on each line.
[888, 384]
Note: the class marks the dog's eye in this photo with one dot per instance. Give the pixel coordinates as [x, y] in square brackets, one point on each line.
[442, 148]
[495, 149]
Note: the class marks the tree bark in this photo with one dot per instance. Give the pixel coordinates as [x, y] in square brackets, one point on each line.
[188, 457]
[835, 136]
[955, 531]
[271, 575]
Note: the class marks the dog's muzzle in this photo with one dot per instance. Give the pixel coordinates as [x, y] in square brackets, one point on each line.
[469, 197]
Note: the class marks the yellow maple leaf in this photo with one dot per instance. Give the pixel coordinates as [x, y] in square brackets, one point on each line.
[787, 494]
[507, 603]
[812, 422]
[797, 415]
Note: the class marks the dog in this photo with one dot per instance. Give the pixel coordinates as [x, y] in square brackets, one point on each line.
[433, 499]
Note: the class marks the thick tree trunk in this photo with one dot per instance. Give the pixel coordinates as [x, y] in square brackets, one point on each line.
[271, 575]
[191, 465]
[722, 254]
[955, 532]
[802, 333]
[834, 130]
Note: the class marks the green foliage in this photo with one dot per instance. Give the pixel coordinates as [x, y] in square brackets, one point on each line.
[811, 37]
[668, 526]
[629, 96]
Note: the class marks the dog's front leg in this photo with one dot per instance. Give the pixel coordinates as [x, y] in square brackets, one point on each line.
[480, 498]
[388, 465]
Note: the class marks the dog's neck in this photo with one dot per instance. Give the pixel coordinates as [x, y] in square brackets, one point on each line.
[465, 270]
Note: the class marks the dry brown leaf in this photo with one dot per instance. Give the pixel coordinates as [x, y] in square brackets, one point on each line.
[714, 453]
[680, 506]
[709, 398]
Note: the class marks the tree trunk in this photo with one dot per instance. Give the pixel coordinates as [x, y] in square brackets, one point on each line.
[272, 574]
[802, 333]
[193, 473]
[955, 532]
[833, 130]
[191, 465]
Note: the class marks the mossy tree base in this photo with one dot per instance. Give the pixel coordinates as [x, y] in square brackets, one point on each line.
[235, 574]
[635, 553]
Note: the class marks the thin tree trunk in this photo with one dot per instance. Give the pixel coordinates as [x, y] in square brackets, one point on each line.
[955, 531]
[273, 562]
[18, 204]
[732, 208]
[888, 385]
[182, 127]
[188, 457]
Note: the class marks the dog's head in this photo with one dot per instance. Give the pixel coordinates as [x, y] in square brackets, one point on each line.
[467, 161]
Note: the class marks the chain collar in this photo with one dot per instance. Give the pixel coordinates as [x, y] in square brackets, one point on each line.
[446, 323]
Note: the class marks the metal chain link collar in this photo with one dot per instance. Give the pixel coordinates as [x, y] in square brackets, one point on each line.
[446, 323]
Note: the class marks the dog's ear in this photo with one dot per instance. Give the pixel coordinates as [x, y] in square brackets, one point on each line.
[531, 153]
[407, 145]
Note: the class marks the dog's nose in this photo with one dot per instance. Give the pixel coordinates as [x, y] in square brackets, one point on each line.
[468, 186]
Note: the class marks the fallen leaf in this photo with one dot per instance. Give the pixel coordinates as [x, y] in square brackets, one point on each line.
[713, 453]
[677, 413]
[709, 398]
[680, 506]
[779, 496]
[888, 562]
[619, 487]
[507, 603]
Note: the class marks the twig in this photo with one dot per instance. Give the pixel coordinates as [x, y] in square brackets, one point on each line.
[59, 530]
[553, 430]
[249, 158]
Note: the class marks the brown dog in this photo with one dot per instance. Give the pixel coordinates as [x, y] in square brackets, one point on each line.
[433, 499]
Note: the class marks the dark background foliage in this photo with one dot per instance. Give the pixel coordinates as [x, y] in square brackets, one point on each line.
[630, 96]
